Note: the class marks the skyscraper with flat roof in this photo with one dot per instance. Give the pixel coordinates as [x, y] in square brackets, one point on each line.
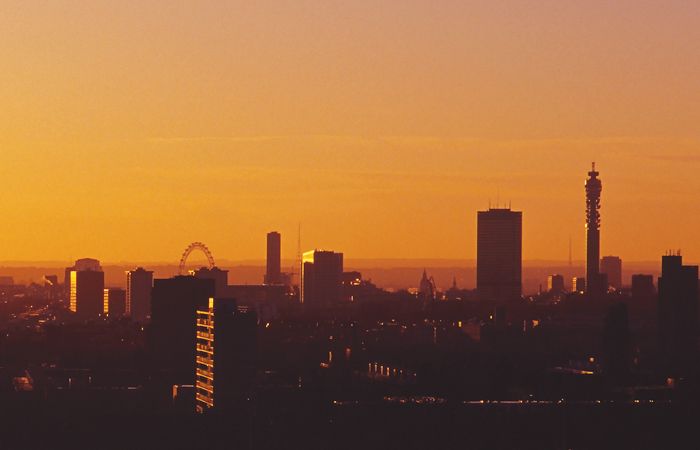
[678, 312]
[225, 354]
[321, 278]
[139, 283]
[273, 274]
[173, 333]
[86, 288]
[499, 254]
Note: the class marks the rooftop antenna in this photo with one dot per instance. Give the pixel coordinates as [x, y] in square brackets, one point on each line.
[570, 253]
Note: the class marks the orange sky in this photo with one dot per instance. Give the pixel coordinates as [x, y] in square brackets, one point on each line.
[129, 129]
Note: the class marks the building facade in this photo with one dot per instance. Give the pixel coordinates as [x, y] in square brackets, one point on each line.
[139, 284]
[321, 278]
[499, 255]
[226, 351]
[611, 266]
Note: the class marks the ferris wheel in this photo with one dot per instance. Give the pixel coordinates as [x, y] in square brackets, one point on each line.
[192, 247]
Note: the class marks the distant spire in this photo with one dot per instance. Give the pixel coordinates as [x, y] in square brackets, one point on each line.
[454, 282]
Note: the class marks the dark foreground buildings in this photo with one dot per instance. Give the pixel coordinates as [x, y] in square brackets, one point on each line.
[226, 353]
[499, 255]
[321, 278]
[172, 331]
[678, 312]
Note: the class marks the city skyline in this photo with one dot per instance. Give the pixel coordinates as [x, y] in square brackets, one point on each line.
[171, 124]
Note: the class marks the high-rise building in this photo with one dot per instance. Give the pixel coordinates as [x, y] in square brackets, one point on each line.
[80, 265]
[226, 352]
[86, 283]
[678, 311]
[499, 255]
[593, 189]
[578, 285]
[219, 276]
[173, 332]
[114, 302]
[273, 275]
[611, 266]
[555, 284]
[321, 278]
[139, 284]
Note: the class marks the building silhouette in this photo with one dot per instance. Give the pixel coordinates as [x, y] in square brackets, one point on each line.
[139, 284]
[172, 332]
[321, 278]
[273, 274]
[427, 291]
[611, 266]
[555, 284]
[578, 285]
[595, 283]
[643, 286]
[86, 288]
[678, 312]
[617, 347]
[114, 302]
[219, 276]
[643, 292]
[499, 255]
[80, 265]
[226, 351]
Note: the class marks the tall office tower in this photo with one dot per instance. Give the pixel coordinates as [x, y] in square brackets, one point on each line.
[226, 352]
[321, 278]
[114, 302]
[219, 276]
[273, 275]
[678, 311]
[80, 265]
[174, 305]
[86, 288]
[555, 284]
[611, 266]
[499, 254]
[139, 283]
[593, 190]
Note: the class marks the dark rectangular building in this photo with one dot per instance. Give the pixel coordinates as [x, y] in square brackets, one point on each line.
[172, 332]
[87, 293]
[321, 278]
[139, 284]
[612, 267]
[226, 355]
[678, 312]
[273, 274]
[499, 255]
[114, 302]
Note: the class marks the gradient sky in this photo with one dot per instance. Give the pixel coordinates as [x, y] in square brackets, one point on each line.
[129, 129]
